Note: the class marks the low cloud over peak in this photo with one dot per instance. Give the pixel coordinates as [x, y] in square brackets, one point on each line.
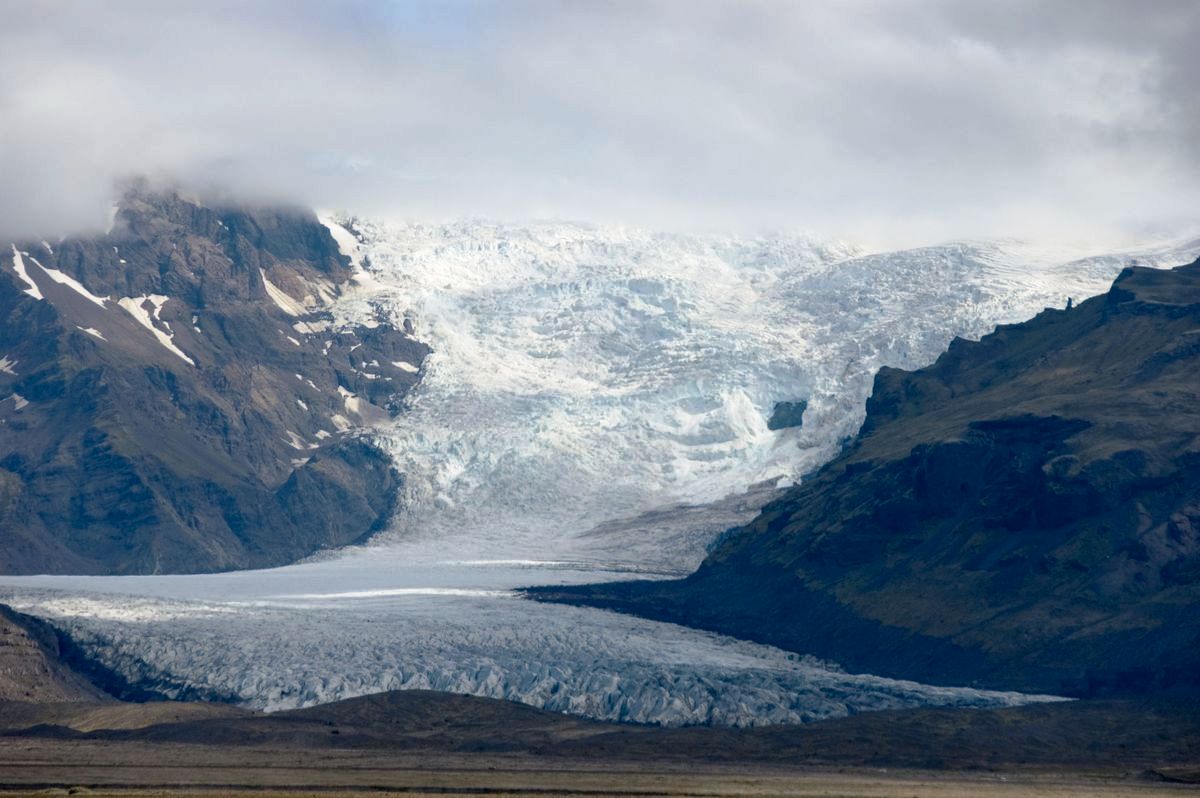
[886, 122]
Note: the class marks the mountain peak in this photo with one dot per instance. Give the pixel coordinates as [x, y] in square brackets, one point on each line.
[178, 380]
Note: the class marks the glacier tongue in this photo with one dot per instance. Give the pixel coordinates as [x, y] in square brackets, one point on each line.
[596, 401]
[293, 653]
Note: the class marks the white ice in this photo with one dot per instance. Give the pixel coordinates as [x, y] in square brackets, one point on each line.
[588, 389]
[580, 375]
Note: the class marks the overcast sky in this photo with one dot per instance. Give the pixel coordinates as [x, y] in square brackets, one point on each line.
[889, 123]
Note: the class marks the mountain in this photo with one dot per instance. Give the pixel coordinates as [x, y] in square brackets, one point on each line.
[176, 397]
[1024, 513]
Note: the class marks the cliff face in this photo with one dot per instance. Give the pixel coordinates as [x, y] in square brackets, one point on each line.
[1024, 513]
[175, 398]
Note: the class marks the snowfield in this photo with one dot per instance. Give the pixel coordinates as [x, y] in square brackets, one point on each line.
[595, 408]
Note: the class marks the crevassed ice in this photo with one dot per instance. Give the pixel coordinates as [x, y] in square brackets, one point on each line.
[297, 651]
[581, 375]
[585, 384]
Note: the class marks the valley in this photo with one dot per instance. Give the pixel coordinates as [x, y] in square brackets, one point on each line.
[594, 408]
[554, 398]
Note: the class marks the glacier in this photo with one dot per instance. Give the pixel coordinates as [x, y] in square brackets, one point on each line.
[595, 408]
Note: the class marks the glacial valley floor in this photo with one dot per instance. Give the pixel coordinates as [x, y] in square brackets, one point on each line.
[141, 771]
[416, 742]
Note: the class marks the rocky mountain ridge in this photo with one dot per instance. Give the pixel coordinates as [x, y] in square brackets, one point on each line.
[176, 397]
[1021, 514]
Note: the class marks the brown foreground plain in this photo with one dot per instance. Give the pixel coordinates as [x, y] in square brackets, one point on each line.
[137, 769]
[437, 744]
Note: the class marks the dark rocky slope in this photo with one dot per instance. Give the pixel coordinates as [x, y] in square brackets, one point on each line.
[32, 665]
[1024, 513]
[173, 398]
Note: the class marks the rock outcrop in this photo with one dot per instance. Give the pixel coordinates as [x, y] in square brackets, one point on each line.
[31, 664]
[1022, 514]
[787, 414]
[174, 396]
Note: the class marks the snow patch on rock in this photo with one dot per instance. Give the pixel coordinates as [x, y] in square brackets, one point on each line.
[347, 244]
[353, 403]
[281, 299]
[72, 283]
[18, 264]
[135, 306]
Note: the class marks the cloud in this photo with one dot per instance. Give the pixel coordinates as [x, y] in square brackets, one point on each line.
[897, 122]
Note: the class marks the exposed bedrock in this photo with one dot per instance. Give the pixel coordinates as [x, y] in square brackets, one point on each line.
[787, 414]
[175, 397]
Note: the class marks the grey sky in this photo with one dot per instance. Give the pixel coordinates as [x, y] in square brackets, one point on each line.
[891, 123]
